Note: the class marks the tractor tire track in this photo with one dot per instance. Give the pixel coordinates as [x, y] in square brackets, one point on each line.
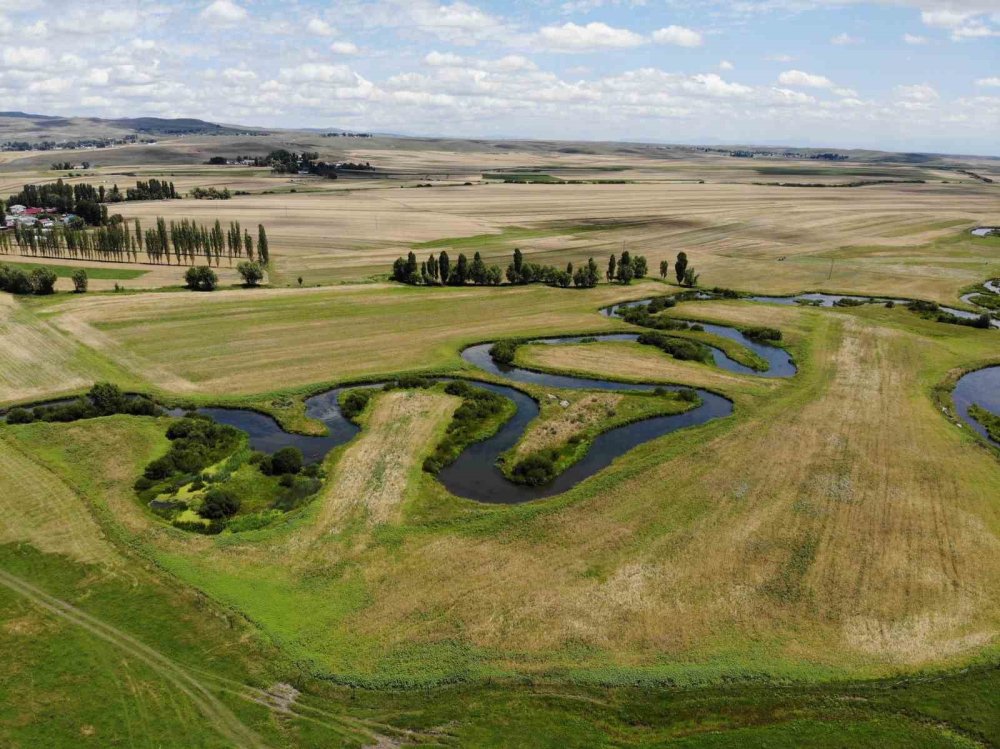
[218, 715]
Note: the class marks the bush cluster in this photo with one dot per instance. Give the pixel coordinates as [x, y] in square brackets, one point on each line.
[103, 399]
[478, 407]
[353, 402]
[201, 278]
[536, 469]
[286, 461]
[679, 348]
[503, 352]
[40, 281]
[196, 442]
[762, 334]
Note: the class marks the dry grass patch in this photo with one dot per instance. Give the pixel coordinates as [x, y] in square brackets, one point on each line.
[257, 340]
[40, 509]
[375, 472]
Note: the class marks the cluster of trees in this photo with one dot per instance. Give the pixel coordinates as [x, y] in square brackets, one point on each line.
[289, 162]
[196, 442]
[625, 268]
[82, 198]
[210, 193]
[154, 189]
[520, 272]
[103, 399]
[201, 278]
[933, 310]
[119, 241]
[39, 281]
[438, 270]
[65, 166]
[682, 271]
[680, 348]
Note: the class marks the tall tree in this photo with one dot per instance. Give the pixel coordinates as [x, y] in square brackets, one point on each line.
[263, 252]
[681, 266]
[444, 267]
[611, 275]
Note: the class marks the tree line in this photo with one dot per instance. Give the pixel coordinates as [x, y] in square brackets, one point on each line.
[82, 198]
[182, 241]
[438, 270]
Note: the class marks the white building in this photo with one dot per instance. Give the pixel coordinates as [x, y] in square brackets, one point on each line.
[17, 210]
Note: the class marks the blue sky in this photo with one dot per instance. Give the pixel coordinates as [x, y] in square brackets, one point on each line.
[901, 75]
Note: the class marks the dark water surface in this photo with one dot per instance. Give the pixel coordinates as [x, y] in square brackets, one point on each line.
[982, 388]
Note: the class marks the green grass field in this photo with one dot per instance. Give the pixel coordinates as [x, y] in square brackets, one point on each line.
[66, 271]
[817, 569]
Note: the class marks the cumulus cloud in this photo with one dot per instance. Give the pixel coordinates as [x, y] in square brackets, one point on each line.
[344, 48]
[319, 27]
[459, 22]
[571, 37]
[914, 39]
[801, 78]
[992, 81]
[239, 75]
[726, 65]
[26, 58]
[917, 92]
[845, 40]
[318, 72]
[678, 35]
[224, 13]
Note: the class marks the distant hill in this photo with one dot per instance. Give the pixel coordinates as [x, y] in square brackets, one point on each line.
[179, 126]
[32, 128]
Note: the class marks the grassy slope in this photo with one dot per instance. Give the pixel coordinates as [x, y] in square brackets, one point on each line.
[448, 588]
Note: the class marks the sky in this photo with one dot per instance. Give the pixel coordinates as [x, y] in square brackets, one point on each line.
[903, 75]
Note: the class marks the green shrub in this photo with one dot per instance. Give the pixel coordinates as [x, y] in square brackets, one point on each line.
[537, 469]
[762, 334]
[679, 348]
[286, 460]
[20, 416]
[201, 278]
[353, 402]
[503, 352]
[219, 503]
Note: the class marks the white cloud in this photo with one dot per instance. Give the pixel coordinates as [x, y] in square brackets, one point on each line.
[443, 59]
[726, 65]
[800, 78]
[992, 81]
[239, 75]
[945, 18]
[679, 35]
[779, 58]
[25, 58]
[316, 72]
[845, 39]
[344, 48]
[319, 27]
[914, 39]
[49, 86]
[571, 37]
[459, 23]
[223, 13]
[97, 76]
[918, 92]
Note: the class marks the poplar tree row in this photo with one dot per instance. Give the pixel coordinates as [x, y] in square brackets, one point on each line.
[181, 243]
[438, 270]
